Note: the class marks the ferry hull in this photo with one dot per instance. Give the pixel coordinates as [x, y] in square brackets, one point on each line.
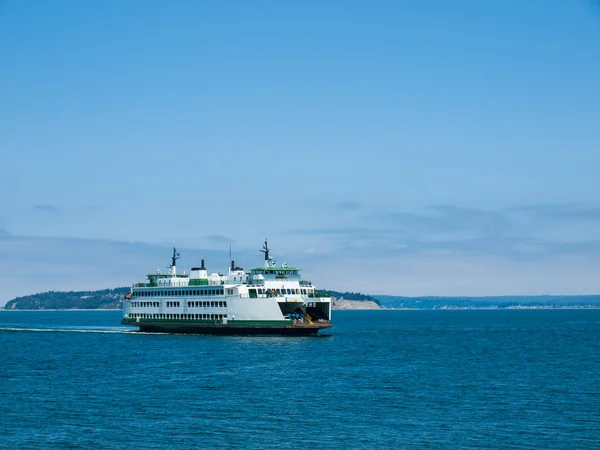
[229, 329]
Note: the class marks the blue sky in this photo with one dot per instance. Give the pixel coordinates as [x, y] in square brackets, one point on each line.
[401, 147]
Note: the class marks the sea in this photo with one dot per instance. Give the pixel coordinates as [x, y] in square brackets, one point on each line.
[379, 379]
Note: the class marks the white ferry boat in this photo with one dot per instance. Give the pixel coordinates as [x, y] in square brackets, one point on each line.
[266, 300]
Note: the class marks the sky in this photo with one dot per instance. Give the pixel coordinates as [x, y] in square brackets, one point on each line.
[393, 147]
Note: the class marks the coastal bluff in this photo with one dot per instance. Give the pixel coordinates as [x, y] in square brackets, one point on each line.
[343, 304]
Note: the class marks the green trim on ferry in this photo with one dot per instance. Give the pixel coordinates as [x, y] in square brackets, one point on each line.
[166, 275]
[198, 282]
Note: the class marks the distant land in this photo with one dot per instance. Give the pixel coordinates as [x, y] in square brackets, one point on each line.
[496, 302]
[111, 299]
[103, 299]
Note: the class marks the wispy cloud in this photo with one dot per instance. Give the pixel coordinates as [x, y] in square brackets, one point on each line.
[45, 208]
[348, 206]
[530, 232]
[565, 211]
[219, 239]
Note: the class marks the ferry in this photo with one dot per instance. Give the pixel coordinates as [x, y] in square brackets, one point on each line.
[266, 300]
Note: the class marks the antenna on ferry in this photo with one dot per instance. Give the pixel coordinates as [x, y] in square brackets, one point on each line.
[265, 250]
[175, 257]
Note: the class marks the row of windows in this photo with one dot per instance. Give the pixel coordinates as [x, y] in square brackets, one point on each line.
[274, 272]
[145, 304]
[207, 304]
[213, 304]
[178, 292]
[179, 316]
[284, 291]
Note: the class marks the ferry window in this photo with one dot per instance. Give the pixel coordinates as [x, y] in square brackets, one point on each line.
[225, 304]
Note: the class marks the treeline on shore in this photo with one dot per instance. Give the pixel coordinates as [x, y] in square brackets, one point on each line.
[103, 299]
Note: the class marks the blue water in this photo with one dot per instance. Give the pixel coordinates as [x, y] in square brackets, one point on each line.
[382, 379]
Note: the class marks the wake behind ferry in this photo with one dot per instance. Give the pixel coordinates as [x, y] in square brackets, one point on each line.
[266, 300]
